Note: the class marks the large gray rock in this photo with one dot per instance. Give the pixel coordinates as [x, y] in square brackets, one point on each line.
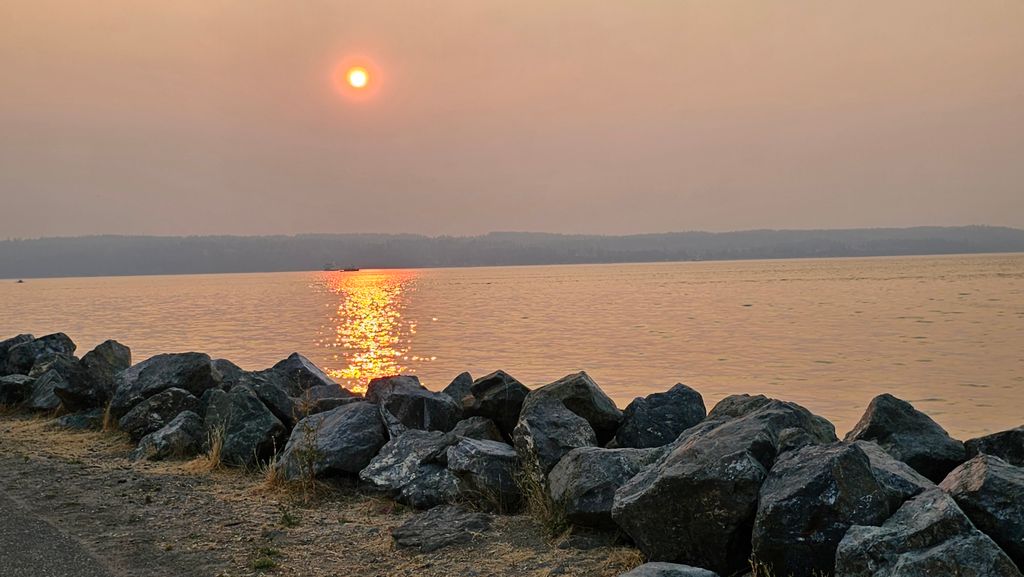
[809, 500]
[1007, 445]
[459, 387]
[249, 432]
[156, 411]
[927, 537]
[193, 372]
[488, 472]
[14, 389]
[546, 433]
[581, 395]
[42, 397]
[910, 436]
[480, 428]
[656, 420]
[990, 492]
[405, 403]
[583, 484]
[498, 397]
[94, 381]
[899, 481]
[21, 357]
[814, 426]
[411, 469]
[275, 396]
[299, 374]
[183, 437]
[440, 527]
[668, 570]
[696, 505]
[5, 347]
[84, 420]
[339, 442]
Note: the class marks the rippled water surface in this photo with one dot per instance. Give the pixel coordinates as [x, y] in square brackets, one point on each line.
[945, 332]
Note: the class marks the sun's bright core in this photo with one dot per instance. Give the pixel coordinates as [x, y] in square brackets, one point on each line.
[357, 77]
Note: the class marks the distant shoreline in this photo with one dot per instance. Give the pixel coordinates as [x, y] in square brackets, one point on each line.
[97, 256]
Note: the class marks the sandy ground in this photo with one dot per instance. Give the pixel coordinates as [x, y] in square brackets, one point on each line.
[176, 518]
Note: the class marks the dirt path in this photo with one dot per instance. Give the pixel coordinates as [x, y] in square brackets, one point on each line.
[162, 519]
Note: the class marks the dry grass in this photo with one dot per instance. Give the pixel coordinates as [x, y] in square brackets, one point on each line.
[624, 559]
[540, 506]
[109, 422]
[211, 461]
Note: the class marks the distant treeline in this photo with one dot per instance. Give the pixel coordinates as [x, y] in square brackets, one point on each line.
[136, 255]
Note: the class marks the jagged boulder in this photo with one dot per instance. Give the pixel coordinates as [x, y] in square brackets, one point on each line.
[338, 442]
[183, 437]
[459, 387]
[656, 420]
[157, 411]
[497, 396]
[582, 485]
[91, 419]
[274, 396]
[668, 570]
[813, 428]
[810, 498]
[1007, 445]
[899, 481]
[696, 505]
[14, 389]
[193, 372]
[405, 403]
[928, 536]
[480, 428]
[24, 355]
[93, 383]
[440, 527]
[487, 472]
[42, 397]
[910, 436]
[411, 469]
[990, 492]
[298, 374]
[248, 431]
[5, 347]
[546, 433]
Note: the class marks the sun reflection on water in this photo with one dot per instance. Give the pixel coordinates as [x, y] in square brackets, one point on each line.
[370, 336]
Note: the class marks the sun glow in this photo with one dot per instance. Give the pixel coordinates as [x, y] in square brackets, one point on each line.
[357, 77]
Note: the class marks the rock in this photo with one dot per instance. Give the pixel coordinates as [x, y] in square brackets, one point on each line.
[42, 397]
[411, 469]
[735, 406]
[248, 431]
[910, 436]
[668, 570]
[338, 442]
[300, 374]
[440, 527]
[581, 395]
[459, 387]
[21, 357]
[273, 396]
[93, 383]
[183, 437]
[193, 372]
[14, 389]
[990, 492]
[487, 472]
[408, 404]
[498, 397]
[810, 498]
[656, 420]
[898, 480]
[156, 412]
[582, 485]
[818, 428]
[546, 433]
[480, 428]
[91, 419]
[696, 505]
[230, 373]
[928, 536]
[1007, 445]
[7, 345]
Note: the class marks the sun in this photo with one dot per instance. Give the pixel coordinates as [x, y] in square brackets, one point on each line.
[357, 77]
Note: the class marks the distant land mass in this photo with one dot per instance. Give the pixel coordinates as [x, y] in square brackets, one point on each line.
[145, 255]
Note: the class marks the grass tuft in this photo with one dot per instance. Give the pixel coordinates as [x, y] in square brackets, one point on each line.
[539, 504]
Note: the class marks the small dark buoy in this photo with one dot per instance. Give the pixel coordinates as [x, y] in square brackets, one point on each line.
[20, 281]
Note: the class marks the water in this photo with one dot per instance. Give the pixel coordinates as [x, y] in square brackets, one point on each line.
[945, 332]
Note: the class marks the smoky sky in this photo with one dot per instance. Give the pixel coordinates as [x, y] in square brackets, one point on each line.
[221, 116]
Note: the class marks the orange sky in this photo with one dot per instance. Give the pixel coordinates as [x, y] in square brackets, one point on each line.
[222, 116]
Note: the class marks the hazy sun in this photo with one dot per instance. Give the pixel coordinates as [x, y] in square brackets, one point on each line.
[357, 77]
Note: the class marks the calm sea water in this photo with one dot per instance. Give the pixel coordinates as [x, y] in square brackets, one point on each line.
[946, 333]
